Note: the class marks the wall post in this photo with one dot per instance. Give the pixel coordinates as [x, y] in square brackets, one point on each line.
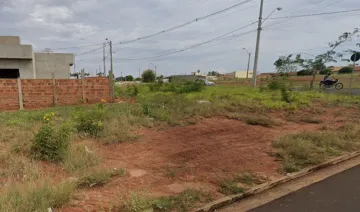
[83, 85]
[55, 98]
[21, 101]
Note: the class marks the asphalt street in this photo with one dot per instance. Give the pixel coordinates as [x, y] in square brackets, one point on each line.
[339, 193]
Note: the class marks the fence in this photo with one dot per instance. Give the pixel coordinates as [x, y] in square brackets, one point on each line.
[18, 94]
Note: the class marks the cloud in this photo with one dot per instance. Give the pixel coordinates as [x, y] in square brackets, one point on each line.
[67, 23]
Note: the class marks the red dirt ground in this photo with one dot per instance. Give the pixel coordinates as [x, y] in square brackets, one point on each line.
[197, 156]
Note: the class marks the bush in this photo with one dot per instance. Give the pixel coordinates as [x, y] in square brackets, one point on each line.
[276, 83]
[325, 71]
[148, 76]
[346, 70]
[178, 87]
[50, 143]
[90, 122]
[304, 73]
[99, 178]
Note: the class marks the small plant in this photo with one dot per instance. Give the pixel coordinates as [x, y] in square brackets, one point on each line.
[98, 178]
[51, 143]
[229, 187]
[90, 122]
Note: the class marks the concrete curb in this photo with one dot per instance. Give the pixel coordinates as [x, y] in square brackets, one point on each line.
[266, 186]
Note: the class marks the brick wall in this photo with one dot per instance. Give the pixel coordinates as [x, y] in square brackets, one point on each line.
[9, 96]
[39, 93]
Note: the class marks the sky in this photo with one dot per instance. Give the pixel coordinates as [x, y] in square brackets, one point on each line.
[59, 24]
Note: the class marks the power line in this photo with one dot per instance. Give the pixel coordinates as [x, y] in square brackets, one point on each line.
[316, 14]
[76, 47]
[89, 51]
[195, 45]
[185, 24]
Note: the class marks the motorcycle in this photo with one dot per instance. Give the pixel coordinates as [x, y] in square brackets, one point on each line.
[330, 84]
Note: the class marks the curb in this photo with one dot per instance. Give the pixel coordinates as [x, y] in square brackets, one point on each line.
[266, 186]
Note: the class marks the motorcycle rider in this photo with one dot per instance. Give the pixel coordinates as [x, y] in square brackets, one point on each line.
[327, 79]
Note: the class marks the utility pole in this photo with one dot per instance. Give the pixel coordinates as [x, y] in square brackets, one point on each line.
[258, 43]
[104, 58]
[139, 73]
[111, 75]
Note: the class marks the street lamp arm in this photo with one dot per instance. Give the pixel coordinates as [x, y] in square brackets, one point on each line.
[277, 9]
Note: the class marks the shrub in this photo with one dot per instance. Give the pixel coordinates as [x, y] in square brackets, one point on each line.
[90, 122]
[346, 70]
[276, 83]
[148, 76]
[51, 143]
[325, 71]
[304, 73]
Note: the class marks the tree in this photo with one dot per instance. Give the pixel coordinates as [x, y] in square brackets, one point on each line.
[129, 78]
[318, 64]
[287, 64]
[78, 74]
[148, 76]
[346, 70]
[100, 74]
[138, 79]
[325, 71]
[119, 79]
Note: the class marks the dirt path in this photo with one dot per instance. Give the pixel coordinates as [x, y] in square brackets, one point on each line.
[169, 161]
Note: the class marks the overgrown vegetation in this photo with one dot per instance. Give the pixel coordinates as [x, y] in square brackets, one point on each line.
[35, 197]
[98, 177]
[311, 148]
[51, 143]
[181, 202]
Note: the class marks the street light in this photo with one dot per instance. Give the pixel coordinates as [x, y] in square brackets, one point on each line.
[257, 50]
[248, 66]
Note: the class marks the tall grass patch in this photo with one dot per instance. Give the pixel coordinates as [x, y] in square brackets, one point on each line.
[311, 148]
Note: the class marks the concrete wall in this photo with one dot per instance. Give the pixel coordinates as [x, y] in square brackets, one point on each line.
[25, 67]
[16, 52]
[10, 40]
[46, 63]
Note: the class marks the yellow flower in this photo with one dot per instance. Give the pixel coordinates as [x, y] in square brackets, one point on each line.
[47, 119]
[103, 100]
[52, 113]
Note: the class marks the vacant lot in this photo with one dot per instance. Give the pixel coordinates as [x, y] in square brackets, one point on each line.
[167, 147]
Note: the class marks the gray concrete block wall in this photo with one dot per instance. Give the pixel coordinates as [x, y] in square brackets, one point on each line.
[25, 67]
[10, 40]
[46, 63]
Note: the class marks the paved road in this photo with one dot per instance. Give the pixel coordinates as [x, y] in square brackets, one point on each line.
[354, 91]
[339, 193]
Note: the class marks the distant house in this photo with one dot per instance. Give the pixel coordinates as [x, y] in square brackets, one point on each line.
[238, 75]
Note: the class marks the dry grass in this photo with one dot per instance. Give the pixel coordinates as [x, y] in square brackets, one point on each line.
[80, 157]
[98, 177]
[35, 197]
[17, 167]
[181, 202]
[311, 148]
